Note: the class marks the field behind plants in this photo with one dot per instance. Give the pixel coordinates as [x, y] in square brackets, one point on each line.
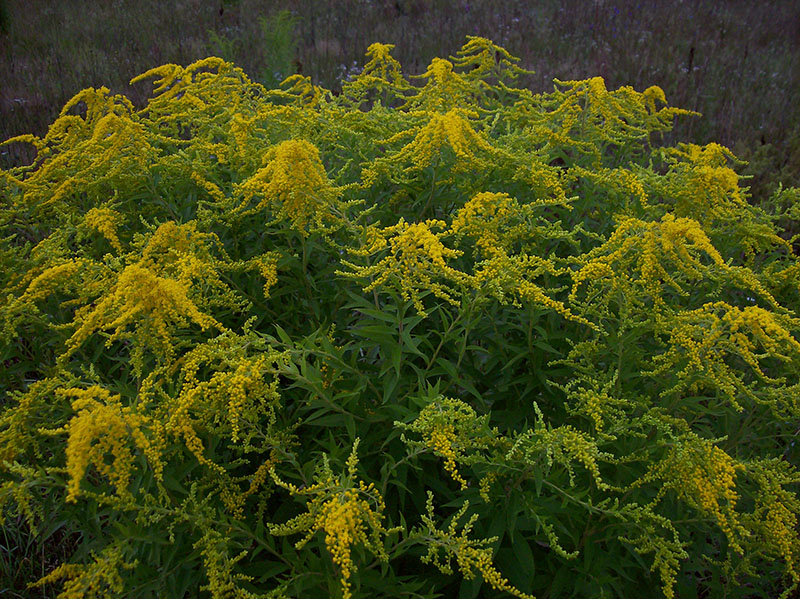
[737, 63]
[324, 316]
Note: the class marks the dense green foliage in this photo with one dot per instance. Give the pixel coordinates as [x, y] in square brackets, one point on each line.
[452, 339]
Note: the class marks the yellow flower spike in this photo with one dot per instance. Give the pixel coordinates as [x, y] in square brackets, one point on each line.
[293, 184]
[508, 278]
[441, 440]
[564, 445]
[103, 426]
[303, 91]
[453, 431]
[620, 180]
[212, 189]
[348, 511]
[450, 130]
[110, 147]
[481, 59]
[471, 555]
[106, 221]
[101, 577]
[381, 73]
[417, 257]
[444, 89]
[149, 303]
[267, 267]
[650, 256]
[701, 184]
[705, 344]
[705, 476]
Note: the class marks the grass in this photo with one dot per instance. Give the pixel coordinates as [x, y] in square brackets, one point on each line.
[736, 62]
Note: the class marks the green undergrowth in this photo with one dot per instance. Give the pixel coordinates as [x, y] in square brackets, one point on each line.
[449, 339]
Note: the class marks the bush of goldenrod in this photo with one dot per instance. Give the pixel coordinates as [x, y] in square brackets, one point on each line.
[443, 339]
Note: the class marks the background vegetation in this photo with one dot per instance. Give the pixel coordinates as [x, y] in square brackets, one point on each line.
[737, 62]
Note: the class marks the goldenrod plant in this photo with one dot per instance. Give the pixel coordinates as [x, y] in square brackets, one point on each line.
[283, 343]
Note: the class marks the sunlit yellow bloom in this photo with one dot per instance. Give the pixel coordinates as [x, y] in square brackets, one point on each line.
[106, 222]
[292, 183]
[348, 511]
[417, 258]
[101, 426]
[150, 304]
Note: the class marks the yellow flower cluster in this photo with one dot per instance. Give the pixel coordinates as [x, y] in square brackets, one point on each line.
[452, 130]
[454, 431]
[225, 390]
[152, 305]
[238, 393]
[293, 184]
[17, 434]
[381, 74]
[563, 445]
[302, 91]
[75, 280]
[219, 567]
[115, 148]
[348, 511]
[648, 256]
[614, 117]
[106, 221]
[775, 515]
[442, 440]
[781, 526]
[496, 220]
[471, 555]
[508, 278]
[618, 181]
[267, 266]
[480, 60]
[705, 476]
[416, 258]
[99, 579]
[211, 86]
[101, 426]
[444, 89]
[182, 252]
[703, 343]
[212, 189]
[45, 283]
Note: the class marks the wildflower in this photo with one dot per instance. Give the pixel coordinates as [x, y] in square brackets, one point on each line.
[470, 149]
[647, 257]
[348, 511]
[292, 183]
[452, 430]
[103, 426]
[149, 303]
[705, 343]
[705, 476]
[101, 577]
[382, 73]
[106, 221]
[471, 555]
[416, 258]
